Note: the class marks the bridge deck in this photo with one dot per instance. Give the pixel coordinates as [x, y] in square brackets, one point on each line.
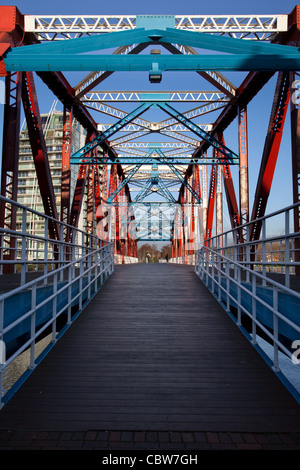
[153, 351]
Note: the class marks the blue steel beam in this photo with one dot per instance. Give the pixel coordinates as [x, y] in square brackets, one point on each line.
[226, 152]
[169, 35]
[78, 156]
[179, 176]
[198, 63]
[92, 43]
[143, 192]
[166, 192]
[124, 182]
[134, 160]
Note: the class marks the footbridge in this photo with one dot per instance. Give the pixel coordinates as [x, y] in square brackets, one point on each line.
[194, 342]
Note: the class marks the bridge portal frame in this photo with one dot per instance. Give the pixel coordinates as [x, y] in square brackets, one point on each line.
[19, 30]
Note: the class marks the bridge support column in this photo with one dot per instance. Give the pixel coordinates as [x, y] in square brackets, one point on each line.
[270, 152]
[10, 162]
[39, 151]
[66, 168]
[295, 134]
[243, 170]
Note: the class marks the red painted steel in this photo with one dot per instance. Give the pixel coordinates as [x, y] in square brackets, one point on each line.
[295, 134]
[271, 150]
[39, 151]
[90, 206]
[11, 32]
[79, 190]
[66, 167]
[78, 196]
[211, 201]
[243, 169]
[10, 161]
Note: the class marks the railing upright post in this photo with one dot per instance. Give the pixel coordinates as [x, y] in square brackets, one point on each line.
[248, 260]
[81, 270]
[61, 251]
[23, 249]
[2, 353]
[46, 249]
[73, 252]
[219, 277]
[227, 269]
[54, 308]
[254, 309]
[287, 248]
[275, 330]
[70, 271]
[239, 298]
[264, 253]
[213, 272]
[32, 328]
[89, 264]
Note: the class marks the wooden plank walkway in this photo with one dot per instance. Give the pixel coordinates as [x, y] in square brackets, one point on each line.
[153, 351]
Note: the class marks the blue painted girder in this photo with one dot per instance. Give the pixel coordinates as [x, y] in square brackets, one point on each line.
[122, 63]
[179, 176]
[107, 160]
[124, 182]
[225, 151]
[72, 54]
[141, 35]
[78, 156]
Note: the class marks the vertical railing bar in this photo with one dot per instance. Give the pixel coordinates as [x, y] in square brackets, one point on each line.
[2, 345]
[275, 330]
[219, 277]
[239, 315]
[287, 248]
[70, 270]
[23, 249]
[254, 304]
[227, 286]
[46, 249]
[62, 249]
[54, 308]
[32, 327]
[264, 258]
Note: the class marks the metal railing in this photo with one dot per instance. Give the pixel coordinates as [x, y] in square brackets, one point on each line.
[49, 283]
[255, 282]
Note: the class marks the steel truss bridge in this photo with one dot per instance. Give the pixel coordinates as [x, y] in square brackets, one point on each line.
[155, 164]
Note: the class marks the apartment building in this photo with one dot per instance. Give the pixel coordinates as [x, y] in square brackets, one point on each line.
[28, 189]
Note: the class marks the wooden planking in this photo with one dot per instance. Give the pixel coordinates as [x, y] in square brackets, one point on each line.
[153, 351]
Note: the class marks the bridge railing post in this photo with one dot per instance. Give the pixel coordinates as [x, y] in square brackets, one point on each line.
[275, 331]
[24, 247]
[253, 311]
[287, 248]
[32, 329]
[2, 354]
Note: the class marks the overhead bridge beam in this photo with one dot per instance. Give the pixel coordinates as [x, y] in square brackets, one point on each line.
[197, 63]
[81, 53]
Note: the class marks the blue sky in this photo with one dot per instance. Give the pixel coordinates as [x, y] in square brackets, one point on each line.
[178, 7]
[259, 109]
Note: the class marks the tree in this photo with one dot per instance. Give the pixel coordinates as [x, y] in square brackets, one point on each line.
[154, 252]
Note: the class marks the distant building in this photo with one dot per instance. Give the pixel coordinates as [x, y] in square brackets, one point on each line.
[28, 188]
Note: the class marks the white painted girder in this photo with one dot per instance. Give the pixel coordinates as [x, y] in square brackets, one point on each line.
[60, 27]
